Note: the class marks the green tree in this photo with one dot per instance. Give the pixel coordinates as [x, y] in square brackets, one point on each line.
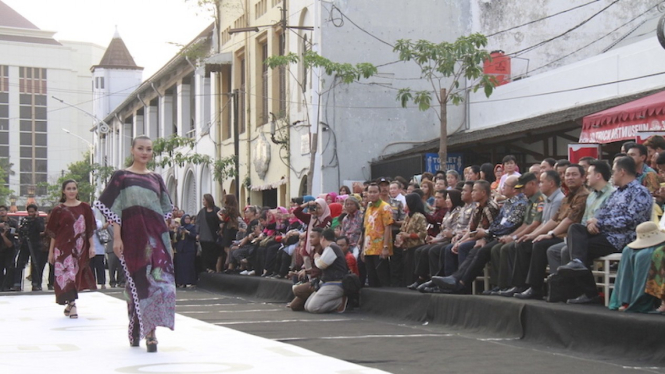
[176, 151]
[346, 72]
[446, 64]
[82, 172]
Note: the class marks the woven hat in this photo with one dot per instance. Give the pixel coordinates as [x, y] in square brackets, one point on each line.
[648, 235]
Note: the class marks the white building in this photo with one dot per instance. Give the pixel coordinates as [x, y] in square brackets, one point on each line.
[35, 67]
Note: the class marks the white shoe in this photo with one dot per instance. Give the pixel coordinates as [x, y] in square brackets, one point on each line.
[252, 273]
[244, 272]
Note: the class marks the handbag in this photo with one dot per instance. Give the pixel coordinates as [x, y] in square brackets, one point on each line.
[103, 236]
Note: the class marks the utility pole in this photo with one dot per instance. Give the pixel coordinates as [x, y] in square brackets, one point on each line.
[236, 142]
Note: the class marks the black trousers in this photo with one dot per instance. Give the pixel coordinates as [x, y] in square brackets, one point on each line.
[397, 270]
[410, 264]
[587, 247]
[474, 263]
[378, 271]
[538, 264]
[98, 268]
[209, 254]
[436, 258]
[38, 263]
[521, 263]
[421, 261]
[7, 256]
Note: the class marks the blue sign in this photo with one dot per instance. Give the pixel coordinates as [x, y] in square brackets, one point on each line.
[455, 162]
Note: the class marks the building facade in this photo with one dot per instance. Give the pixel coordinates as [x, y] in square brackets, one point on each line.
[38, 74]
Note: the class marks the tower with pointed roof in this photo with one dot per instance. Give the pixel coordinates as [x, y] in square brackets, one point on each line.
[115, 77]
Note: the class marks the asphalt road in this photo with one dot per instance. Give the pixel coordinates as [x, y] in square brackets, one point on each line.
[389, 344]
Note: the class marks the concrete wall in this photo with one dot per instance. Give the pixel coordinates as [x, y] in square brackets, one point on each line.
[365, 116]
[491, 16]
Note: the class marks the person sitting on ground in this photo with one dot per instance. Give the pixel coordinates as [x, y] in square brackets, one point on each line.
[610, 230]
[508, 220]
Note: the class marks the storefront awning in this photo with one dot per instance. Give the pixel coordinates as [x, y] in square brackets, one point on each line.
[624, 121]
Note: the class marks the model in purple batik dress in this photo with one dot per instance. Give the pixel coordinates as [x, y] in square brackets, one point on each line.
[138, 204]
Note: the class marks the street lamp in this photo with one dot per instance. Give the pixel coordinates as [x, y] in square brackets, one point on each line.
[91, 149]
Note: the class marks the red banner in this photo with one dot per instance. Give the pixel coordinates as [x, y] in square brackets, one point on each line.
[642, 136]
[576, 151]
[626, 130]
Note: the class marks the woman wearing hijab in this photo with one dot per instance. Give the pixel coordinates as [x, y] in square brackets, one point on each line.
[412, 234]
[318, 216]
[185, 256]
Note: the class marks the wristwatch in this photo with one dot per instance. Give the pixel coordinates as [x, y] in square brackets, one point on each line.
[551, 233]
[514, 237]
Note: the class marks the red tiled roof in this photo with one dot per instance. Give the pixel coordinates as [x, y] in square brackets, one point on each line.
[117, 56]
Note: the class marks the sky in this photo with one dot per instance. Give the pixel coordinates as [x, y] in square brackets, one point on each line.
[148, 27]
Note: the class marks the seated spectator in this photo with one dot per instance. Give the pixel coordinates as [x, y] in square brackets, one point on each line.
[395, 192]
[655, 280]
[585, 162]
[487, 173]
[508, 220]
[412, 234]
[645, 175]
[428, 193]
[598, 181]
[472, 173]
[504, 252]
[610, 230]
[452, 177]
[330, 295]
[498, 173]
[351, 263]
[547, 164]
[630, 284]
[440, 183]
[426, 176]
[552, 232]
[655, 145]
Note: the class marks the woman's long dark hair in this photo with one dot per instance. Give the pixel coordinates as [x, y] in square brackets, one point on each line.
[63, 198]
[455, 198]
[210, 201]
[415, 204]
[231, 205]
[488, 170]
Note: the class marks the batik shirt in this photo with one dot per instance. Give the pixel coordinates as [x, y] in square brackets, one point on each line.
[626, 208]
[378, 218]
[352, 226]
[572, 207]
[648, 178]
[484, 215]
[510, 216]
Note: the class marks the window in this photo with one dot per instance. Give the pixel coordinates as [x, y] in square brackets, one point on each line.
[265, 97]
[33, 126]
[4, 78]
[227, 103]
[4, 118]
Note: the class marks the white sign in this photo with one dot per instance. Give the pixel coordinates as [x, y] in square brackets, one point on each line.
[304, 144]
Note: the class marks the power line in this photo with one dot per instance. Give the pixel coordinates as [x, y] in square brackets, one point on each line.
[541, 19]
[356, 25]
[573, 89]
[521, 51]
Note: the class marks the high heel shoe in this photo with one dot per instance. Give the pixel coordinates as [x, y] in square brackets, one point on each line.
[72, 311]
[136, 336]
[151, 343]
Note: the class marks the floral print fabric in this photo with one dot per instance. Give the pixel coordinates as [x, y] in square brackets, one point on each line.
[71, 227]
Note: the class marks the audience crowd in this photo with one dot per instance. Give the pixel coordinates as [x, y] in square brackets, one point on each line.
[434, 233]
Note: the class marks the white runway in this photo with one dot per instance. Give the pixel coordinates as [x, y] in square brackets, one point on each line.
[38, 338]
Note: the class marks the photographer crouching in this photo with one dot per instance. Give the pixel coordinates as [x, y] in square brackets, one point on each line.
[30, 239]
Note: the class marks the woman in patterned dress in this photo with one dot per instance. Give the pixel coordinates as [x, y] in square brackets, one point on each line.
[137, 203]
[71, 228]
